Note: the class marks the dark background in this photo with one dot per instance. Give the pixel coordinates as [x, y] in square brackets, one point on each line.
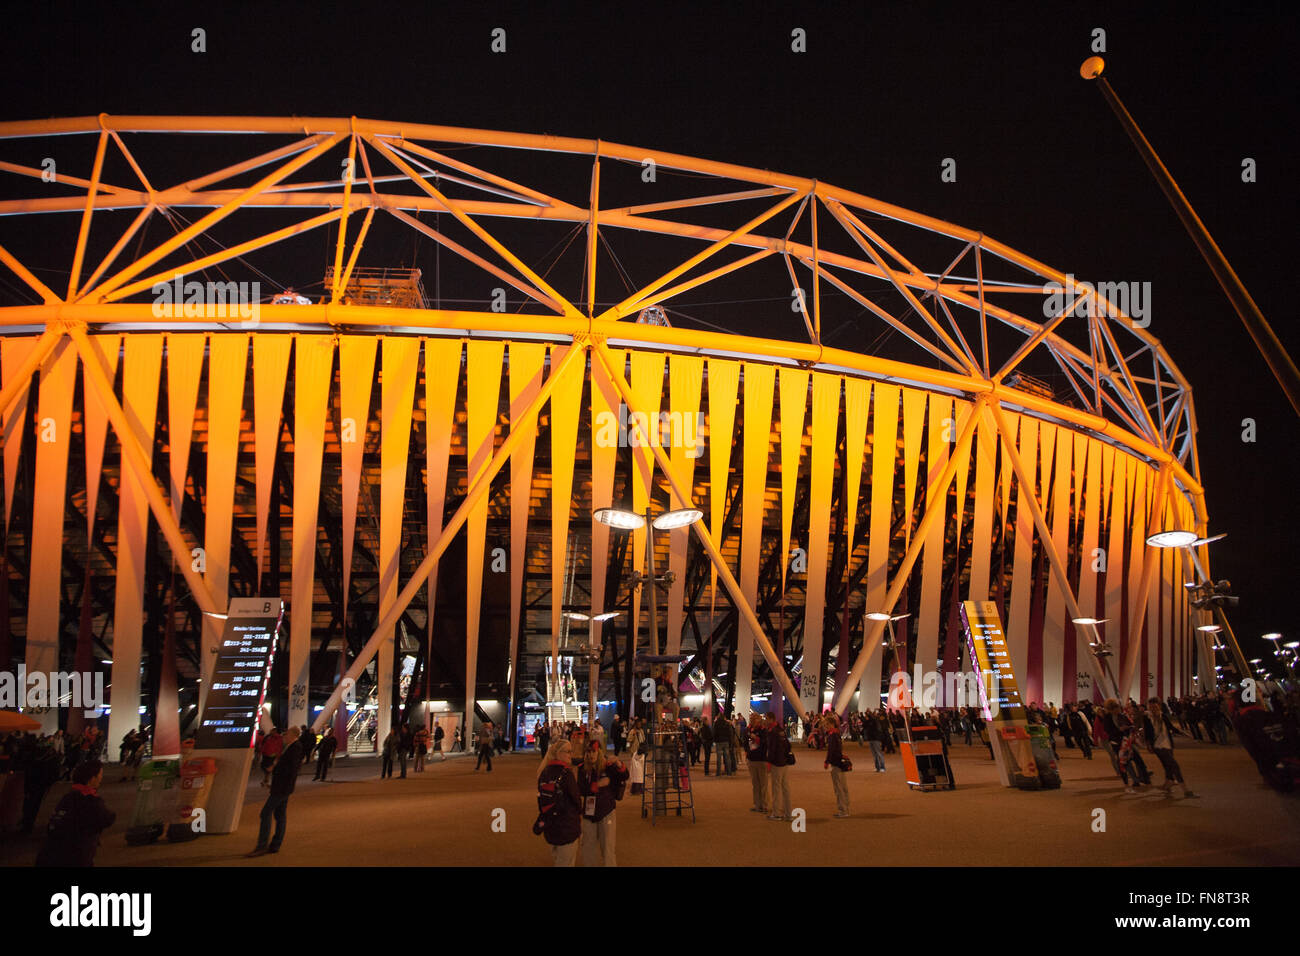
[882, 95]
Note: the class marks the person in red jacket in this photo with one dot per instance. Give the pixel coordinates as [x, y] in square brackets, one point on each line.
[838, 764]
[559, 804]
[600, 784]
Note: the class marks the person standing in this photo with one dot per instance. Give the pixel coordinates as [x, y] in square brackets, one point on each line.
[838, 764]
[636, 755]
[272, 747]
[1160, 737]
[392, 744]
[873, 731]
[438, 735]
[405, 745]
[1080, 729]
[756, 757]
[421, 748]
[484, 746]
[1120, 731]
[618, 735]
[780, 756]
[706, 743]
[325, 753]
[72, 836]
[724, 742]
[559, 805]
[283, 778]
[309, 742]
[600, 784]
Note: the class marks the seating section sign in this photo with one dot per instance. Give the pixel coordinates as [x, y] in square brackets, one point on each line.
[986, 643]
[241, 674]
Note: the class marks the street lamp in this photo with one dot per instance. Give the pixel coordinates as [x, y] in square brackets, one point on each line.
[631, 521]
[592, 650]
[1100, 650]
[893, 645]
[1215, 594]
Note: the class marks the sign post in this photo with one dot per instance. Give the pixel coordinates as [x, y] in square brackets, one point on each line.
[229, 723]
[999, 693]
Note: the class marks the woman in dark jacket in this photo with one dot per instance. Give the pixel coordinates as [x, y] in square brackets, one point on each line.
[600, 783]
[838, 765]
[559, 804]
[81, 816]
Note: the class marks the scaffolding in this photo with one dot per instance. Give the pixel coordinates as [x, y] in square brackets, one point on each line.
[397, 288]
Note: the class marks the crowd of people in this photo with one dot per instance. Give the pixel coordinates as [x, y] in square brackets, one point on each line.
[580, 781]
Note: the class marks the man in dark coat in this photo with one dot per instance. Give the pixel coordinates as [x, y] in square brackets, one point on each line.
[283, 777]
[81, 816]
[325, 753]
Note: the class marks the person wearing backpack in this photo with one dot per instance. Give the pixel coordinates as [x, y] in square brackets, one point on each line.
[600, 784]
[72, 836]
[559, 805]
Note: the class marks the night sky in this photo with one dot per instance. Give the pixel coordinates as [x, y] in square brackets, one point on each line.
[882, 95]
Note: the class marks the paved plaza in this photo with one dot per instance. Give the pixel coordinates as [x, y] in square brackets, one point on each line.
[444, 817]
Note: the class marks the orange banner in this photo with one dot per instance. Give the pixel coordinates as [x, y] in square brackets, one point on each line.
[356, 377]
[685, 379]
[759, 382]
[140, 377]
[825, 434]
[312, 376]
[565, 402]
[270, 369]
[884, 449]
[941, 431]
[724, 385]
[526, 366]
[227, 362]
[13, 353]
[401, 363]
[109, 347]
[58, 380]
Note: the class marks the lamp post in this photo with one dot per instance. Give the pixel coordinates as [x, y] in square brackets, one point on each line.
[592, 650]
[1189, 541]
[1100, 650]
[893, 645]
[1266, 340]
[622, 520]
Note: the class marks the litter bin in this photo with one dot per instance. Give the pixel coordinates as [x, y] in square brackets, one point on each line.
[1049, 774]
[196, 784]
[155, 801]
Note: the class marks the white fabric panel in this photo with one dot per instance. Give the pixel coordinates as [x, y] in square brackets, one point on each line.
[141, 373]
[53, 439]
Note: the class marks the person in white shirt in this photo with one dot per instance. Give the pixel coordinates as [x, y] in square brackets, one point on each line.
[1160, 738]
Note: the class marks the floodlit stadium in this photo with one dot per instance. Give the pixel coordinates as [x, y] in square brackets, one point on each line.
[390, 371]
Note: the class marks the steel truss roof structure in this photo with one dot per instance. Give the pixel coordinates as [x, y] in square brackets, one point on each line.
[962, 313]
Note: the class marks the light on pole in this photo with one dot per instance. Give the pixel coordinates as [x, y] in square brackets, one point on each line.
[1214, 594]
[592, 650]
[1100, 650]
[893, 645]
[631, 521]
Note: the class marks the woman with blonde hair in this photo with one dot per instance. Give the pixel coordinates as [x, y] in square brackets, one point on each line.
[559, 805]
[600, 784]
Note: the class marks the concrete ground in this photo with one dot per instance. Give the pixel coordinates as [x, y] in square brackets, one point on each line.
[444, 817]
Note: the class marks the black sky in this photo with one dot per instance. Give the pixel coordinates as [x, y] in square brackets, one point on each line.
[882, 95]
